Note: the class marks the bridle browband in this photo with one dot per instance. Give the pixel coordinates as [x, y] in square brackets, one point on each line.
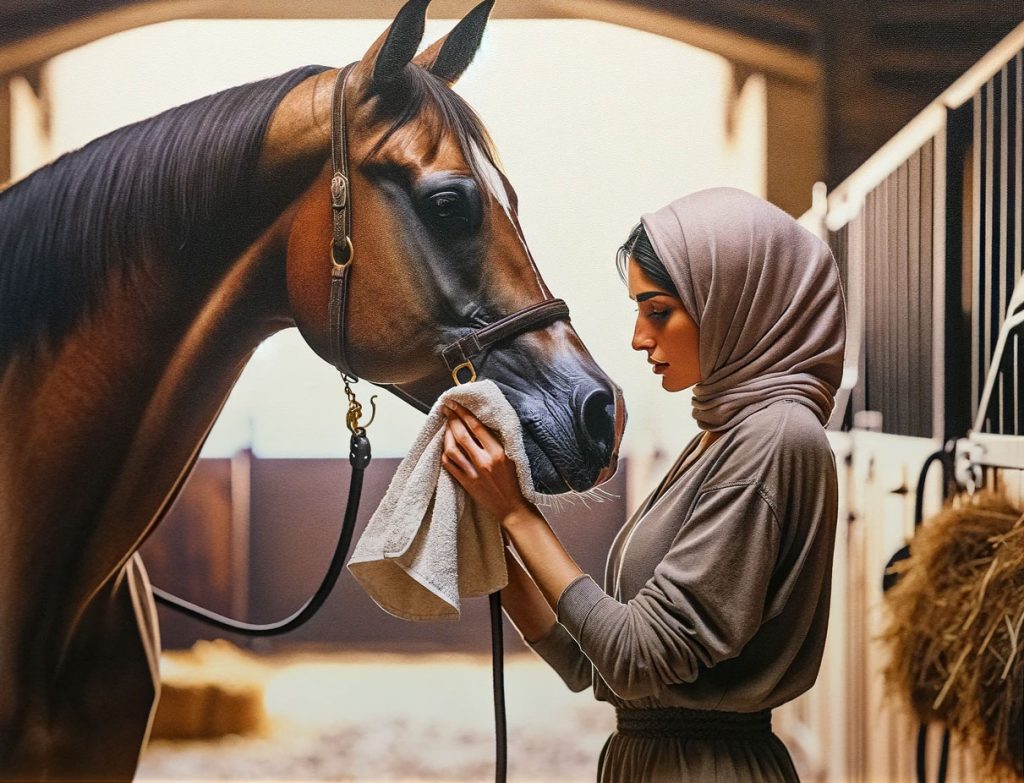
[458, 357]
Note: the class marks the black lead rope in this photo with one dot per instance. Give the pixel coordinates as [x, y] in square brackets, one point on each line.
[498, 676]
[458, 358]
[359, 457]
[945, 457]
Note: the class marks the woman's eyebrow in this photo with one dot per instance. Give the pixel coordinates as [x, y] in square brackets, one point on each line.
[648, 294]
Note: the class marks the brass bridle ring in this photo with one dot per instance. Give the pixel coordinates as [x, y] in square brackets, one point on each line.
[349, 253]
[467, 365]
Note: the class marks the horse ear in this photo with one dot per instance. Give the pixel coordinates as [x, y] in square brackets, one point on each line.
[397, 45]
[448, 57]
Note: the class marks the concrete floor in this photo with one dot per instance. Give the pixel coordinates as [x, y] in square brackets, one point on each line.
[395, 718]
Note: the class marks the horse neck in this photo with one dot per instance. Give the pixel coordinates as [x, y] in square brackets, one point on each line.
[114, 419]
[117, 414]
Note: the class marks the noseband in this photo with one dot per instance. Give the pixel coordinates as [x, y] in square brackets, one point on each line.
[458, 357]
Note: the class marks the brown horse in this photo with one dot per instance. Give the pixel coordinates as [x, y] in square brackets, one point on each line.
[138, 275]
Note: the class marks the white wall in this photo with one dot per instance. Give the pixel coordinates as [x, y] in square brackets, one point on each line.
[595, 124]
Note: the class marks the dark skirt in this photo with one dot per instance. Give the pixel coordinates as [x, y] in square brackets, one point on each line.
[672, 745]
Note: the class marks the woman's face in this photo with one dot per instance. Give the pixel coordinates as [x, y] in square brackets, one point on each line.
[664, 331]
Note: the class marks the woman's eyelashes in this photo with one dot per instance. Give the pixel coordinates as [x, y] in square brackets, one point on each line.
[659, 315]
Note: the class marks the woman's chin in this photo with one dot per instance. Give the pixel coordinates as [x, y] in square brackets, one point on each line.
[670, 384]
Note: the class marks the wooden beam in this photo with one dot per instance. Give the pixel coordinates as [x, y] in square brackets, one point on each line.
[757, 55]
[788, 18]
[905, 58]
[5, 130]
[938, 11]
[795, 144]
[749, 51]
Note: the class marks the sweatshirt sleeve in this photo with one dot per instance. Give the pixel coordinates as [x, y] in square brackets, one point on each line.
[703, 604]
[561, 652]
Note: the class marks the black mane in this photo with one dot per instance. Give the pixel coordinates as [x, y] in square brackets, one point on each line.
[179, 186]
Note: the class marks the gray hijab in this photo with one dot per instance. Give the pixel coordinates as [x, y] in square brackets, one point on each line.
[766, 296]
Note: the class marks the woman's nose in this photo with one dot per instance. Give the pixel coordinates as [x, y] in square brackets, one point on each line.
[641, 340]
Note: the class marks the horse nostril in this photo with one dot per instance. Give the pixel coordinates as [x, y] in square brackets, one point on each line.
[597, 417]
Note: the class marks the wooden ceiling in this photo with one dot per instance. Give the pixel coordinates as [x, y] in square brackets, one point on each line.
[878, 63]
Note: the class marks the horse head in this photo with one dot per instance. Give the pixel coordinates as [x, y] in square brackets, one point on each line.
[437, 252]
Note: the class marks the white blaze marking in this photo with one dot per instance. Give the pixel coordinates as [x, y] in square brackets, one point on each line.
[494, 183]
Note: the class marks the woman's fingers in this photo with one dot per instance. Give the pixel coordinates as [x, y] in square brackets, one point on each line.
[455, 457]
[484, 471]
[480, 431]
[476, 453]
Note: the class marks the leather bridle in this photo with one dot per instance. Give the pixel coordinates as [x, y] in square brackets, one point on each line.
[458, 357]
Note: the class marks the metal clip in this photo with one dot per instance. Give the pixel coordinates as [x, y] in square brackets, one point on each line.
[355, 411]
[339, 190]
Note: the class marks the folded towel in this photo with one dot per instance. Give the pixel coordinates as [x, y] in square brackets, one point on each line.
[428, 545]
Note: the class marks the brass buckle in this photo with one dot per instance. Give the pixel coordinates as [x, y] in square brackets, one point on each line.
[350, 252]
[466, 365]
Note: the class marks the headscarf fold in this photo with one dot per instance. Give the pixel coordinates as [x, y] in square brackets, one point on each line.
[767, 299]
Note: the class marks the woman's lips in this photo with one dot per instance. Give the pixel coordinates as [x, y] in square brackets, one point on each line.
[659, 369]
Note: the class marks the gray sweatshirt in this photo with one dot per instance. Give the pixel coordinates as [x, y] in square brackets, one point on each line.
[716, 591]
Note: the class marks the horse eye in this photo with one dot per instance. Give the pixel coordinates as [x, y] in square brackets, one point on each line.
[449, 211]
[445, 203]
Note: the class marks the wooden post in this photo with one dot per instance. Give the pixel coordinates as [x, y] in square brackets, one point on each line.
[795, 144]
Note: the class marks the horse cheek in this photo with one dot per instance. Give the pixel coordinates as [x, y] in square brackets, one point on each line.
[308, 267]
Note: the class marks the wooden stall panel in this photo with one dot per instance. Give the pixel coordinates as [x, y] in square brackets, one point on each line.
[297, 506]
[193, 553]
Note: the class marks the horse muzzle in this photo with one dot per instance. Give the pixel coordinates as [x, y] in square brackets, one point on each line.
[571, 435]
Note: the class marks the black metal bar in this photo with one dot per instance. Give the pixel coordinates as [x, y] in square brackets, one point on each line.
[999, 194]
[977, 273]
[958, 311]
[872, 317]
[918, 296]
[892, 380]
[1016, 207]
[990, 290]
[1018, 213]
[902, 303]
[926, 202]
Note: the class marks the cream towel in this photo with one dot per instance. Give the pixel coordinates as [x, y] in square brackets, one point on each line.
[427, 545]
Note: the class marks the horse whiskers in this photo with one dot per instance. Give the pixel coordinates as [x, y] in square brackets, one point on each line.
[595, 494]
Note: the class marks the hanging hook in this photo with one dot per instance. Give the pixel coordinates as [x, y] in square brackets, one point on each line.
[967, 471]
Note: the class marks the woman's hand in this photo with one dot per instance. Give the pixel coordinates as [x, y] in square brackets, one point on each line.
[475, 458]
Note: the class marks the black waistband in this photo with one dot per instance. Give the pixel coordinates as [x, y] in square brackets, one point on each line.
[701, 724]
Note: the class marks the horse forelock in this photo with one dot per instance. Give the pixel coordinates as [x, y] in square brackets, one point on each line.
[176, 188]
[428, 101]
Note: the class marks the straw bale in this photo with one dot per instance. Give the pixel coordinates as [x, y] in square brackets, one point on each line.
[955, 629]
[210, 691]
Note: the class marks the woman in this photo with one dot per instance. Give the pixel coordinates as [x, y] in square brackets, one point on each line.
[715, 600]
